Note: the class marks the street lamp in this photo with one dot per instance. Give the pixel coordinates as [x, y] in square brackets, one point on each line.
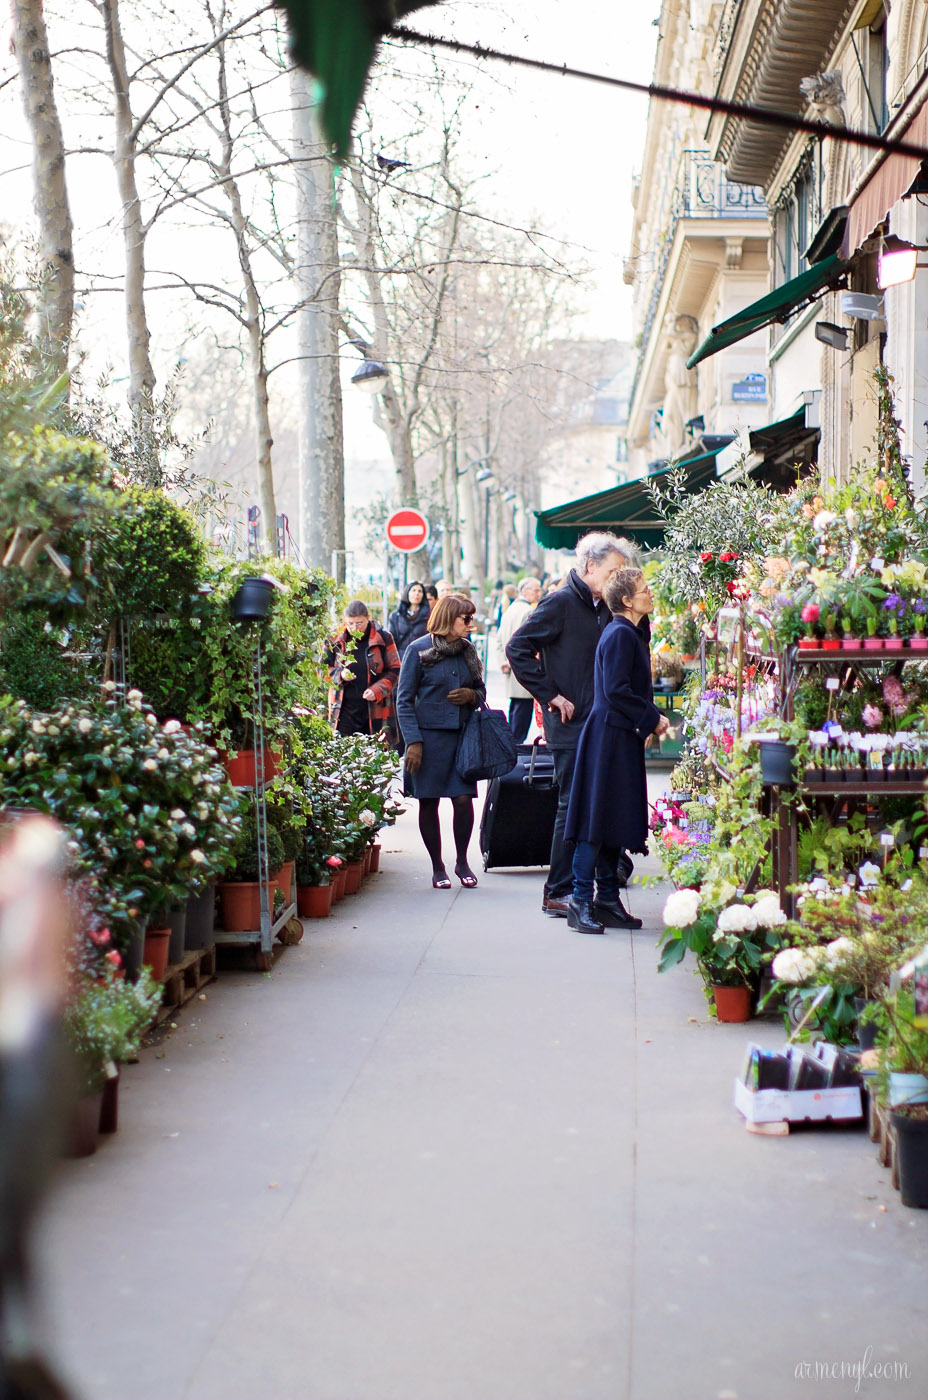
[489, 488]
[371, 376]
[897, 261]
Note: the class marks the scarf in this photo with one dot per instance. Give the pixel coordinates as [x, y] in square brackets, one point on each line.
[441, 648]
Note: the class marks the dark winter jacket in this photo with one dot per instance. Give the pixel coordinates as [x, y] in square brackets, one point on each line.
[408, 629]
[422, 694]
[608, 794]
[376, 650]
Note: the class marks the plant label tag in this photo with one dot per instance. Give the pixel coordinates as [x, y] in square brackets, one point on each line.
[923, 852]
[877, 565]
[887, 838]
[832, 683]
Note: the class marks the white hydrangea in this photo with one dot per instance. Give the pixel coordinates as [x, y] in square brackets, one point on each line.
[793, 965]
[837, 950]
[767, 912]
[682, 908]
[737, 918]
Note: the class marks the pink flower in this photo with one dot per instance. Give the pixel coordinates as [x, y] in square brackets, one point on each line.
[895, 696]
[114, 958]
[334, 862]
[705, 557]
[140, 844]
[810, 612]
[872, 716]
[99, 937]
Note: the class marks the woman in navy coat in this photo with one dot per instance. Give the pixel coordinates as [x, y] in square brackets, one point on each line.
[441, 681]
[608, 810]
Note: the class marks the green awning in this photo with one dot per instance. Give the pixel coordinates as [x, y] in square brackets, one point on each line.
[625, 510]
[777, 305]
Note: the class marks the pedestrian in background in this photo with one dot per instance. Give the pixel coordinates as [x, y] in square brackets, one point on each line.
[440, 684]
[608, 809]
[431, 595]
[552, 656]
[521, 703]
[409, 619]
[364, 667]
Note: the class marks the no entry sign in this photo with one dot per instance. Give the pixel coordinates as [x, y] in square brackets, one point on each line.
[407, 530]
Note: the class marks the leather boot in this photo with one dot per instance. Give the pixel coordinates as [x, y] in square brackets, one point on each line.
[580, 917]
[614, 915]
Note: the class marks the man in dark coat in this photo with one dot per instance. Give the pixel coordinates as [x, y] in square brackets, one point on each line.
[552, 656]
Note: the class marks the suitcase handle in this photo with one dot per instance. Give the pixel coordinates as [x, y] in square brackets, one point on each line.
[530, 779]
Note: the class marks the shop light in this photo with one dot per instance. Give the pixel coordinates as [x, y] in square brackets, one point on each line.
[897, 261]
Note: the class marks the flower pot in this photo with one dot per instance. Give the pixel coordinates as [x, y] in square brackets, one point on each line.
[918, 643]
[814, 775]
[133, 951]
[353, 875]
[109, 1104]
[240, 903]
[375, 858]
[84, 1127]
[893, 643]
[366, 862]
[831, 644]
[339, 882]
[283, 879]
[776, 764]
[314, 901]
[866, 1031]
[732, 1004]
[201, 919]
[912, 1159]
[252, 600]
[156, 949]
[241, 768]
[808, 643]
[907, 1088]
[873, 643]
[177, 920]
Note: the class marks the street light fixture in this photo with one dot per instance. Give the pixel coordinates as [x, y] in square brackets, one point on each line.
[897, 261]
[371, 376]
[484, 475]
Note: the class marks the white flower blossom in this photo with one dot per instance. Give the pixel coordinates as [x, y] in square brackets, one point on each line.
[164, 753]
[682, 908]
[367, 817]
[151, 721]
[172, 726]
[868, 874]
[84, 725]
[150, 765]
[109, 686]
[198, 857]
[178, 814]
[768, 913]
[823, 519]
[188, 830]
[837, 950]
[737, 918]
[133, 695]
[793, 965]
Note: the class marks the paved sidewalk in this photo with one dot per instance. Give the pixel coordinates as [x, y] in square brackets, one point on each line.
[449, 1150]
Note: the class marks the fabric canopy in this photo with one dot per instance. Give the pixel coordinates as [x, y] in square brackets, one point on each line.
[625, 510]
[777, 305]
[891, 179]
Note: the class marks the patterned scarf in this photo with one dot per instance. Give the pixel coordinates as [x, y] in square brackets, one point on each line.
[442, 647]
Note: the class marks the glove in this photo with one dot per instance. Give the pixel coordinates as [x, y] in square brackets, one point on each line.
[413, 758]
[463, 696]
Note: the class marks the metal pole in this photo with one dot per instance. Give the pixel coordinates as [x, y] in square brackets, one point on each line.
[386, 583]
[486, 533]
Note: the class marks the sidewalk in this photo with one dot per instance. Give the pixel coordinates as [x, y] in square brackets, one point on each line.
[449, 1150]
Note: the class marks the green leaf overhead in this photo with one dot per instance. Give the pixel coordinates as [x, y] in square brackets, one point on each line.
[336, 40]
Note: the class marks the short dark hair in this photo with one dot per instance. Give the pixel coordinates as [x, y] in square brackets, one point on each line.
[619, 586]
[447, 611]
[356, 608]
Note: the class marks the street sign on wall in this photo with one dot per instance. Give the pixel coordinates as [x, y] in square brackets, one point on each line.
[407, 530]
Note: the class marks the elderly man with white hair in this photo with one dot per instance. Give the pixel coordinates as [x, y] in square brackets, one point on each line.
[521, 704]
[552, 656]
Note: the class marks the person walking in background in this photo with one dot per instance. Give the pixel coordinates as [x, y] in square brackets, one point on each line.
[431, 595]
[608, 809]
[521, 703]
[440, 683]
[409, 620]
[443, 589]
[552, 656]
[364, 667]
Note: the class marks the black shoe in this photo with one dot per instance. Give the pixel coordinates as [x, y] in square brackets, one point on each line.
[626, 869]
[580, 916]
[555, 906]
[615, 915]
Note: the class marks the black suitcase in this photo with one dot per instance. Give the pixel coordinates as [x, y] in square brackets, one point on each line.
[518, 815]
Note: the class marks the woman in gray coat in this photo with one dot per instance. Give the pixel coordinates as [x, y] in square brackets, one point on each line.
[440, 683]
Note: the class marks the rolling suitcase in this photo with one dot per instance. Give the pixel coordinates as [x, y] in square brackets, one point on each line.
[518, 815]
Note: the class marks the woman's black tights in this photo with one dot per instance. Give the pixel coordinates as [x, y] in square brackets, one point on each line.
[462, 826]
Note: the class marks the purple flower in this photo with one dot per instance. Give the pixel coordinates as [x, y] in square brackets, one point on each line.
[894, 603]
[920, 605]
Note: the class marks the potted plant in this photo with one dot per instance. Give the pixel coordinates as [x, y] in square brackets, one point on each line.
[728, 943]
[240, 890]
[918, 641]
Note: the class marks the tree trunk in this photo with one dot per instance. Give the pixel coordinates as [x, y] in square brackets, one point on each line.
[254, 324]
[50, 194]
[321, 447]
[141, 374]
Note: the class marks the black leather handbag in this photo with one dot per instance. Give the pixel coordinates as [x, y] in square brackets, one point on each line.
[485, 748]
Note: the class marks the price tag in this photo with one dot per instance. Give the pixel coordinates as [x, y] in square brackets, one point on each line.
[923, 852]
[887, 838]
[832, 683]
[877, 565]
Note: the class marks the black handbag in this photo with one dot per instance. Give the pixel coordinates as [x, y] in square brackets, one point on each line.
[485, 748]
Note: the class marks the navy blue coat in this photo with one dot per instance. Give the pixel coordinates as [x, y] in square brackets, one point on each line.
[422, 694]
[609, 795]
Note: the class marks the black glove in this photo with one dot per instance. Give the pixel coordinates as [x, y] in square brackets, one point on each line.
[463, 696]
[413, 757]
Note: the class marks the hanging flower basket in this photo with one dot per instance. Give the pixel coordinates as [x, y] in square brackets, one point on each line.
[252, 600]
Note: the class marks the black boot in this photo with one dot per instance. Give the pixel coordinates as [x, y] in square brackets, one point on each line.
[580, 916]
[614, 915]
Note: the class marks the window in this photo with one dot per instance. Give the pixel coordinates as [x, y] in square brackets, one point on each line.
[793, 226]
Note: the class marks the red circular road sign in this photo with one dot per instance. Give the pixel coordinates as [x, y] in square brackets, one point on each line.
[407, 530]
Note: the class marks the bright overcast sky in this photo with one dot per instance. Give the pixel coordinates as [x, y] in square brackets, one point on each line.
[564, 150]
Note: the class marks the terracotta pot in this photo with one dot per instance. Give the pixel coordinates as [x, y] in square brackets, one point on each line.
[84, 1126]
[893, 643]
[240, 902]
[732, 1004]
[283, 879]
[354, 871]
[241, 768]
[366, 862]
[156, 949]
[339, 882]
[375, 858]
[873, 643]
[314, 901]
